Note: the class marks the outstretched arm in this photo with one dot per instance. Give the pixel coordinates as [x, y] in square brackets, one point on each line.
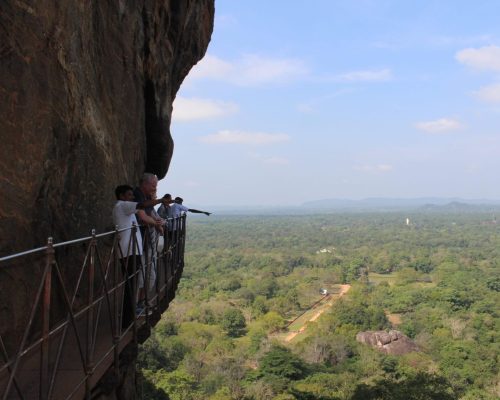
[151, 203]
[146, 219]
[198, 211]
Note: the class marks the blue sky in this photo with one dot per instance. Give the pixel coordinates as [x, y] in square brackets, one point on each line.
[305, 100]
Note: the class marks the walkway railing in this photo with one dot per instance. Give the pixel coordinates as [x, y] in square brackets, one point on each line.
[81, 317]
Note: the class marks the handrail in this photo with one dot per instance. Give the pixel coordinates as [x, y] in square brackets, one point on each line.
[69, 242]
[68, 344]
[62, 244]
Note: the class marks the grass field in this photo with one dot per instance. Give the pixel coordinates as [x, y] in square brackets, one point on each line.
[391, 279]
[379, 278]
[394, 319]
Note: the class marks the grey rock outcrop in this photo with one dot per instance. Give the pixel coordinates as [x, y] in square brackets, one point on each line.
[392, 342]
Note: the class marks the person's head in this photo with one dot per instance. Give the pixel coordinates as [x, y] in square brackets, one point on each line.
[124, 192]
[148, 183]
[167, 196]
[179, 200]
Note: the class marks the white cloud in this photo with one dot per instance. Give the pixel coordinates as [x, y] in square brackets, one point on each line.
[483, 58]
[276, 161]
[489, 93]
[381, 75]
[249, 70]
[190, 109]
[374, 168]
[240, 137]
[211, 67]
[439, 126]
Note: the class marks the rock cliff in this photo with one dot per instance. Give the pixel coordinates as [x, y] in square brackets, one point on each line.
[86, 93]
[86, 100]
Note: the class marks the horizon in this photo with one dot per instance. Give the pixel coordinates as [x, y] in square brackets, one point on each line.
[375, 99]
[368, 203]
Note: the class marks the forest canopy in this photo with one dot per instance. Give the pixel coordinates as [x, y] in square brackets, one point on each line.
[248, 280]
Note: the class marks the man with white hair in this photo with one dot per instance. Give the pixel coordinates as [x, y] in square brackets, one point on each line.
[145, 191]
[151, 226]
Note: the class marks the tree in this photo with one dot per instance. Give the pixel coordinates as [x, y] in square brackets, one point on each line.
[325, 349]
[494, 284]
[230, 285]
[325, 386]
[259, 306]
[233, 322]
[272, 322]
[178, 384]
[282, 362]
[357, 314]
[162, 353]
[421, 386]
[222, 394]
[146, 387]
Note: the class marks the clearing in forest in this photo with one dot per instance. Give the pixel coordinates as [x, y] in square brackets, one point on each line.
[375, 278]
[300, 324]
[394, 319]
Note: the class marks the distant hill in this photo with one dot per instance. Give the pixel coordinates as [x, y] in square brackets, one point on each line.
[421, 204]
[456, 206]
[375, 204]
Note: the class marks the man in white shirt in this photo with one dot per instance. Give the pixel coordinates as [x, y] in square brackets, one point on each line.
[124, 217]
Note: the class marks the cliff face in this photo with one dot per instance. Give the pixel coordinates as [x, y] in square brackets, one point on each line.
[86, 92]
[86, 100]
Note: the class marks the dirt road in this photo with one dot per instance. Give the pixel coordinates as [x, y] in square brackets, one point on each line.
[343, 290]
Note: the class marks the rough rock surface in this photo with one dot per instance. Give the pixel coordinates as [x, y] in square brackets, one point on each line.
[86, 92]
[392, 342]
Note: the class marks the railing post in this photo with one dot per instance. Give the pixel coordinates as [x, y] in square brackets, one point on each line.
[165, 255]
[133, 238]
[47, 286]
[176, 244]
[159, 264]
[183, 241]
[117, 308]
[146, 270]
[90, 314]
[168, 258]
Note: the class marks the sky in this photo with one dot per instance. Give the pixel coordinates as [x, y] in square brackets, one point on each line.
[301, 100]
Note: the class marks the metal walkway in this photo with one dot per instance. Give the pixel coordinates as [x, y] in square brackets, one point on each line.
[81, 321]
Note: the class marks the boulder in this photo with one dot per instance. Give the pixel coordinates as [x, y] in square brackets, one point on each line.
[392, 342]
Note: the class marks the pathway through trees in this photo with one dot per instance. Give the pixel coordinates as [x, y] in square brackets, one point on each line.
[343, 290]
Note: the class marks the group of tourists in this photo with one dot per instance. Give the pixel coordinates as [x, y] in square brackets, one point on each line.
[137, 207]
